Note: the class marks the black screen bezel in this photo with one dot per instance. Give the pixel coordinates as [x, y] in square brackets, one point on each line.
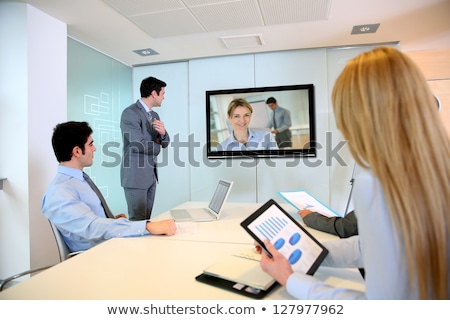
[307, 151]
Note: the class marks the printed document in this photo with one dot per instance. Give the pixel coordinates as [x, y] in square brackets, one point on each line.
[302, 200]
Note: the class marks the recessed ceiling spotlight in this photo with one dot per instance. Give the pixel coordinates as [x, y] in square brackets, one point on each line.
[146, 52]
[365, 28]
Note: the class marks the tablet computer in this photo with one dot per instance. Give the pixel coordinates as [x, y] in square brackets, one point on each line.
[271, 222]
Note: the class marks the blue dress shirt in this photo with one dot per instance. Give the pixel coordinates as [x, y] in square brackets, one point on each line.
[77, 212]
[282, 118]
[257, 140]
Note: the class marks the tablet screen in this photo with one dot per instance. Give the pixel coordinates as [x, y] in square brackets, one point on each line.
[271, 222]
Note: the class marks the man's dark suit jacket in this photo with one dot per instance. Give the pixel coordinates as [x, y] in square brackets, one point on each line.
[141, 145]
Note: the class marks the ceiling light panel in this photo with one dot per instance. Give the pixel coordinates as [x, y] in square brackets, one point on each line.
[146, 52]
[161, 24]
[138, 7]
[170, 18]
[292, 11]
[365, 28]
[228, 15]
[159, 19]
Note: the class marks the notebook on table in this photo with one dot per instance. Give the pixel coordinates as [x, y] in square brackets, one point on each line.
[241, 270]
[240, 273]
[210, 213]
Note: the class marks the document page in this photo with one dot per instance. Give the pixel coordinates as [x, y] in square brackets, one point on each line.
[302, 200]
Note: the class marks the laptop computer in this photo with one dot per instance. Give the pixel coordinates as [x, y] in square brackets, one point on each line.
[212, 212]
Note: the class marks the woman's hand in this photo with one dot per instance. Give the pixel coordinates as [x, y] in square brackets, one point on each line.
[278, 267]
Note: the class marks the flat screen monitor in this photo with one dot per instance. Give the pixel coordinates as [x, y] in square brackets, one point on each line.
[294, 101]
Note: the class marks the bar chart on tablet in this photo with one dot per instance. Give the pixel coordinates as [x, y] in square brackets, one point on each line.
[300, 250]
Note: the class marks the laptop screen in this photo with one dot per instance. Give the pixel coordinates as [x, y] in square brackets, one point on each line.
[220, 195]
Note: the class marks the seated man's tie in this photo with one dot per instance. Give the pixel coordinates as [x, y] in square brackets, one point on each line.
[91, 183]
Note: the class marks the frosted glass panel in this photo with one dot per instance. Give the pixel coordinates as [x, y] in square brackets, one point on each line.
[98, 89]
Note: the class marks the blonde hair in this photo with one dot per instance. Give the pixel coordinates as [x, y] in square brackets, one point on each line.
[238, 102]
[385, 109]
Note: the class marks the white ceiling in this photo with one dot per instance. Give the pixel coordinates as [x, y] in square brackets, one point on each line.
[188, 29]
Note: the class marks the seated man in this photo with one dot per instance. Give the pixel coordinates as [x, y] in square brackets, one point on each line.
[73, 203]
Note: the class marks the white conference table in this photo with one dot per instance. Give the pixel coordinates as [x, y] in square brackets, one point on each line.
[161, 267]
[227, 229]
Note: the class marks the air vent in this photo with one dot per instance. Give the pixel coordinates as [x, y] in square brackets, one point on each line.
[243, 41]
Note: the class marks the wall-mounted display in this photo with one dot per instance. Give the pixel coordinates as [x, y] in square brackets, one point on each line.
[278, 121]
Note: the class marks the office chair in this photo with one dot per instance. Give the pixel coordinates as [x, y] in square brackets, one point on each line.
[63, 251]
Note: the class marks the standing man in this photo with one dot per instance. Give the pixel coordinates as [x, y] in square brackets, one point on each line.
[280, 122]
[144, 134]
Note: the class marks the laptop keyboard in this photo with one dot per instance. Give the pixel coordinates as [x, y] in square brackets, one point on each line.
[180, 214]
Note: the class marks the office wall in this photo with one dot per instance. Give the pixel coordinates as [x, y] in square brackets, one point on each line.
[297, 67]
[33, 97]
[435, 64]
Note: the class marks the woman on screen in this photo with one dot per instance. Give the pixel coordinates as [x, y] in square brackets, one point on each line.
[385, 110]
[243, 138]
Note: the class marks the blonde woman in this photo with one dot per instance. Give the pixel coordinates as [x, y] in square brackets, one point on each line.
[243, 138]
[384, 108]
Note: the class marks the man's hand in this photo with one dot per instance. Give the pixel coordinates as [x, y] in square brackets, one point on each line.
[158, 125]
[167, 227]
[121, 215]
[304, 213]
